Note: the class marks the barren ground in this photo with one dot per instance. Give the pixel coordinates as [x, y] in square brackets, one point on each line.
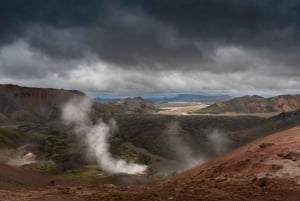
[191, 108]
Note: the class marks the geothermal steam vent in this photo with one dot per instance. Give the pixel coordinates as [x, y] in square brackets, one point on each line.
[76, 113]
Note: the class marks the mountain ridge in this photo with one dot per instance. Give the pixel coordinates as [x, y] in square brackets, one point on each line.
[177, 98]
[255, 104]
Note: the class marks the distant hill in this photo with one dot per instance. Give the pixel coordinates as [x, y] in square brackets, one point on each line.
[178, 98]
[135, 105]
[25, 103]
[192, 98]
[255, 104]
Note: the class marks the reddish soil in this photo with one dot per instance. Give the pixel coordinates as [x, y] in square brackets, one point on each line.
[17, 101]
[17, 177]
[265, 170]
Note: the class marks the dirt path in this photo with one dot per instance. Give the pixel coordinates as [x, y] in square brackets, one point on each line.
[180, 109]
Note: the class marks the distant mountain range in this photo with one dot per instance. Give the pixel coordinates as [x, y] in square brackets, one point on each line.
[178, 98]
[23, 103]
[255, 104]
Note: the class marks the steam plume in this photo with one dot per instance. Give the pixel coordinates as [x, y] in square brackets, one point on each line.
[218, 141]
[173, 132]
[76, 112]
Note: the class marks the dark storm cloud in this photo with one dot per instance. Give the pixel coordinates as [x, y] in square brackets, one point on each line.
[108, 29]
[143, 42]
[150, 32]
[17, 15]
[18, 60]
[225, 16]
[191, 38]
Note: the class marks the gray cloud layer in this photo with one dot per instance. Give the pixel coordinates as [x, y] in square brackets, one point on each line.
[152, 46]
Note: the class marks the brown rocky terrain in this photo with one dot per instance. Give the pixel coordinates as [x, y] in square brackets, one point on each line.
[267, 169]
[23, 103]
[255, 104]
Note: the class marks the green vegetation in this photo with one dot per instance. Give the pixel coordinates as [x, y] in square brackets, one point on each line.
[43, 166]
[159, 179]
[118, 150]
[86, 175]
[14, 137]
[213, 109]
[9, 138]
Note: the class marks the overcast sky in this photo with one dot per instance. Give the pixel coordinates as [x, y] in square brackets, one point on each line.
[152, 46]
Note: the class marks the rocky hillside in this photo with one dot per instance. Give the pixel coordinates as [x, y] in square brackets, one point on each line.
[135, 106]
[255, 104]
[21, 103]
[25, 103]
[267, 169]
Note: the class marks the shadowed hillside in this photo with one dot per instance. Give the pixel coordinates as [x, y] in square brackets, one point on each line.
[24, 103]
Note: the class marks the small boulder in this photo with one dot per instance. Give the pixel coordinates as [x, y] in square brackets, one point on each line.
[266, 145]
[29, 158]
[220, 179]
[291, 155]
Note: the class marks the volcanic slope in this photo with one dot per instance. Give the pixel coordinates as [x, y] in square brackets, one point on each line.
[267, 169]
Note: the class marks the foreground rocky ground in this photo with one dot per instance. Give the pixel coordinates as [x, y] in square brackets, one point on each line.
[267, 169]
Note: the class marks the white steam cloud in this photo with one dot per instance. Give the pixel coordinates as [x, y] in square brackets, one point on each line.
[173, 132]
[218, 142]
[76, 112]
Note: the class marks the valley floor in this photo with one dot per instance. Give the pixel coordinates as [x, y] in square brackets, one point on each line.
[179, 109]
